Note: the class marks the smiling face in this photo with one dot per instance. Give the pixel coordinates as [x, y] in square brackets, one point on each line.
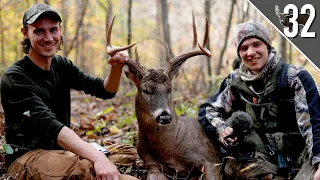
[45, 37]
[254, 54]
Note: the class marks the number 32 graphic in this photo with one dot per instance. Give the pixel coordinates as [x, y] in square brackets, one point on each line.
[297, 19]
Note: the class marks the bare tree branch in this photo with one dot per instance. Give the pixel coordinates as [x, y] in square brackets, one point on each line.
[129, 25]
[102, 5]
[74, 40]
[218, 69]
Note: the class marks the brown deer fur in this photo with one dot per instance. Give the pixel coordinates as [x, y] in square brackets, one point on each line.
[170, 146]
[181, 144]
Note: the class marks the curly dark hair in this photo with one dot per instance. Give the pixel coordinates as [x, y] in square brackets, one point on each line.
[26, 44]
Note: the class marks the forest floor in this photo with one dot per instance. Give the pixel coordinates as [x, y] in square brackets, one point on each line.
[108, 122]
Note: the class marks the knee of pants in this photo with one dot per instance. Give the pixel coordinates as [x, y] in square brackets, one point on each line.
[44, 164]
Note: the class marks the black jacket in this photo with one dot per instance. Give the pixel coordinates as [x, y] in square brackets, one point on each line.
[36, 102]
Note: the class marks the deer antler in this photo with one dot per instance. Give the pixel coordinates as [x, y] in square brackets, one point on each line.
[112, 50]
[134, 65]
[177, 61]
[278, 13]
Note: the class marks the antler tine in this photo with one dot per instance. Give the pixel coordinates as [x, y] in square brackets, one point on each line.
[195, 34]
[277, 10]
[112, 50]
[205, 41]
[195, 52]
[136, 53]
[168, 54]
[135, 65]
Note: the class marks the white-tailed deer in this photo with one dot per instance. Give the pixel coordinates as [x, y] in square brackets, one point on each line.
[170, 146]
[284, 18]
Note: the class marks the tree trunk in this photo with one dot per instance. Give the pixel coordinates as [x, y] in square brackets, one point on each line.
[80, 23]
[129, 26]
[245, 11]
[159, 33]
[207, 9]
[81, 40]
[64, 10]
[219, 66]
[78, 14]
[17, 38]
[2, 39]
[165, 25]
[283, 48]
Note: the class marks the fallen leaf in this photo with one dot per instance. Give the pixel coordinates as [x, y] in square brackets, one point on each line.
[86, 122]
[114, 130]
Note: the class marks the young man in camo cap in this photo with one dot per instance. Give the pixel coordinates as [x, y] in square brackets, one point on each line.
[35, 94]
[281, 100]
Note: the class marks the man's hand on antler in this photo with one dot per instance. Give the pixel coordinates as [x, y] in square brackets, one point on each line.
[119, 59]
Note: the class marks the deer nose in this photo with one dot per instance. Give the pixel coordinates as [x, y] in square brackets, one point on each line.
[164, 118]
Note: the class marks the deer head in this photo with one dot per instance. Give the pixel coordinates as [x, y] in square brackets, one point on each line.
[153, 100]
[282, 17]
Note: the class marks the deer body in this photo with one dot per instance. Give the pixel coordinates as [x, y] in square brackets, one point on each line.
[181, 145]
[168, 145]
[166, 140]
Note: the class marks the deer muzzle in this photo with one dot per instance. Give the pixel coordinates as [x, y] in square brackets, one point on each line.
[163, 118]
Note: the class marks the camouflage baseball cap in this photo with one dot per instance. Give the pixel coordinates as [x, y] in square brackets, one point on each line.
[249, 29]
[35, 11]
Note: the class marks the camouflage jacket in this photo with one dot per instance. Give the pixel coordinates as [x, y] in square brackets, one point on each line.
[305, 102]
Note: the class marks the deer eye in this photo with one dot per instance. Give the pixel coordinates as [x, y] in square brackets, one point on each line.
[146, 91]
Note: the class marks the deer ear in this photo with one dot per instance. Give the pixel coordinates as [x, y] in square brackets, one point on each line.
[174, 73]
[175, 70]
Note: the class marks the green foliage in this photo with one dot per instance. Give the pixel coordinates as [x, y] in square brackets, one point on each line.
[188, 109]
[104, 112]
[216, 82]
[100, 124]
[129, 137]
[131, 93]
[126, 120]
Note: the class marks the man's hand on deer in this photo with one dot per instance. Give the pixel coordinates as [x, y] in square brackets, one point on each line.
[105, 170]
[119, 59]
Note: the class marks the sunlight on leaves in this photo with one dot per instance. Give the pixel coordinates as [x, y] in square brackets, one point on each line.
[114, 130]
[131, 93]
[126, 120]
[90, 133]
[98, 125]
[105, 111]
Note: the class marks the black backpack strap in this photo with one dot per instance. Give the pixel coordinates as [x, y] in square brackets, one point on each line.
[282, 79]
